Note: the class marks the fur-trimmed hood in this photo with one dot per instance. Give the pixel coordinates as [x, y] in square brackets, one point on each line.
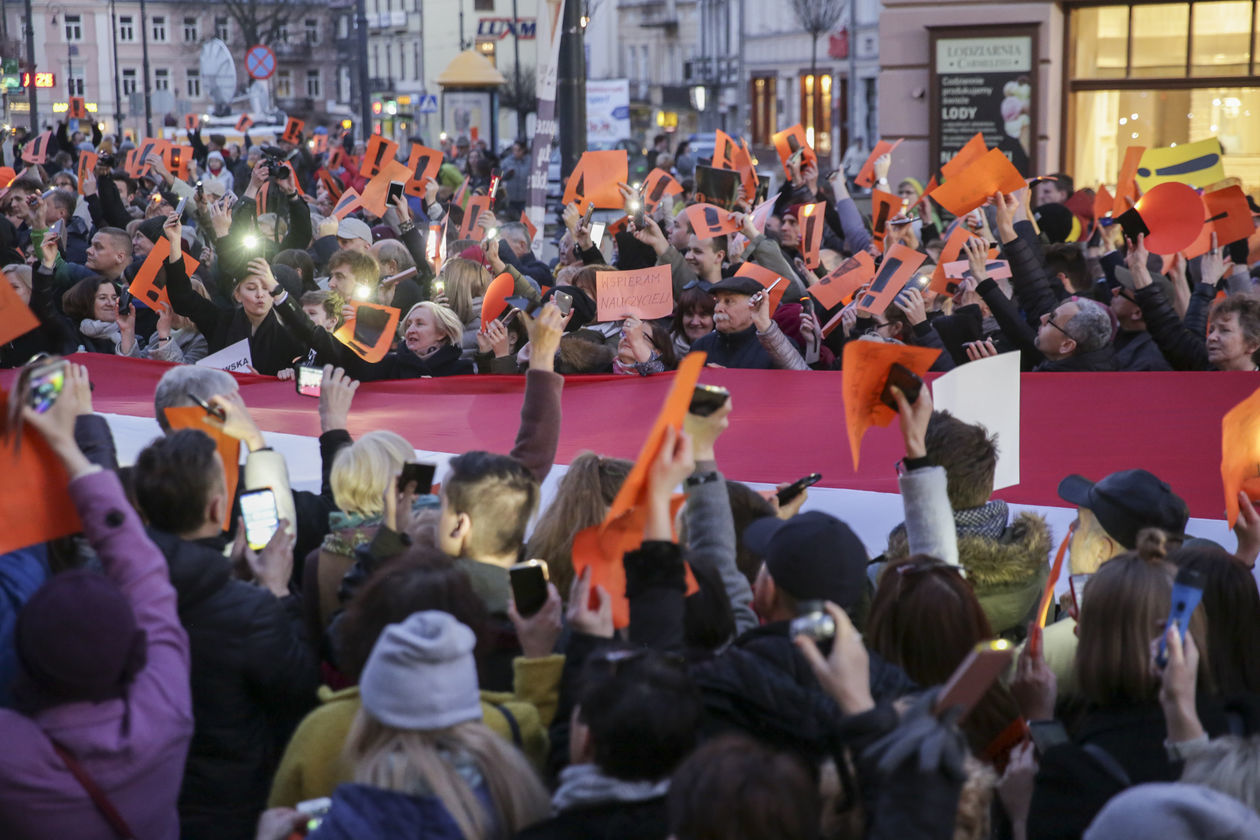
[1007, 574]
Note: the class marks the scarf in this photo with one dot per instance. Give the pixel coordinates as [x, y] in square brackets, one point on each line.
[652, 365]
[583, 785]
[989, 520]
[92, 328]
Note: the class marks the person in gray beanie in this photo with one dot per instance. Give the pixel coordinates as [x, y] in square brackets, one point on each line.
[425, 766]
[1173, 811]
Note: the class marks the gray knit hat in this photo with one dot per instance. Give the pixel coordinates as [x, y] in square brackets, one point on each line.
[422, 675]
[1173, 812]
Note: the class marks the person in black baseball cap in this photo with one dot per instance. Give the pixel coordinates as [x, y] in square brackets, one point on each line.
[1110, 514]
[811, 557]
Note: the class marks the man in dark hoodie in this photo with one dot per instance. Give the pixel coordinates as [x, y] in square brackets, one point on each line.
[253, 674]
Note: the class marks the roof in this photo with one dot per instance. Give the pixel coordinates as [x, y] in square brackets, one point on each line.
[470, 69]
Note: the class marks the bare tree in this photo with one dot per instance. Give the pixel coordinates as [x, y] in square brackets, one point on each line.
[817, 17]
[520, 93]
[261, 21]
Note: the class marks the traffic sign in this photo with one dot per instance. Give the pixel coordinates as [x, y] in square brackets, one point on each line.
[260, 62]
[428, 104]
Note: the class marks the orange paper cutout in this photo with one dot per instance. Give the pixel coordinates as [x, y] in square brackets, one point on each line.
[659, 184]
[530, 227]
[470, 226]
[971, 151]
[884, 206]
[349, 201]
[380, 151]
[766, 278]
[1240, 454]
[36, 149]
[243, 124]
[788, 141]
[951, 251]
[866, 175]
[145, 287]
[424, 164]
[330, 183]
[708, 221]
[594, 180]
[899, 265]
[16, 317]
[1174, 214]
[76, 109]
[293, 131]
[319, 144]
[1228, 216]
[724, 151]
[195, 417]
[812, 223]
[191, 122]
[844, 280]
[178, 159]
[1126, 184]
[991, 173]
[370, 332]
[494, 301]
[376, 193]
[865, 372]
[747, 173]
[87, 164]
[37, 507]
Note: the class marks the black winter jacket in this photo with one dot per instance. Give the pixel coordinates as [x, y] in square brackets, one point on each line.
[1136, 350]
[253, 678]
[646, 820]
[734, 350]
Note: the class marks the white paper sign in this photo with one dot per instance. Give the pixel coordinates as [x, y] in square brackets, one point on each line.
[986, 392]
[233, 358]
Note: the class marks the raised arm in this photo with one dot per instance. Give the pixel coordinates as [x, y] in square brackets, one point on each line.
[930, 525]
[539, 432]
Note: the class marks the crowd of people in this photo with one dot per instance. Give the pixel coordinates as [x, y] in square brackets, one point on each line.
[368, 672]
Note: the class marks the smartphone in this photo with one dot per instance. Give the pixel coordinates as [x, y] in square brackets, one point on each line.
[179, 208]
[1047, 734]
[439, 287]
[1186, 594]
[707, 399]
[199, 191]
[124, 301]
[307, 379]
[597, 232]
[46, 383]
[529, 586]
[419, 474]
[217, 413]
[586, 217]
[506, 316]
[57, 228]
[905, 379]
[814, 621]
[970, 680]
[402, 275]
[563, 301]
[797, 487]
[795, 157]
[395, 192]
[807, 305]
[258, 508]
[755, 300]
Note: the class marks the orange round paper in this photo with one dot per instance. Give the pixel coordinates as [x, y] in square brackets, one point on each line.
[1174, 214]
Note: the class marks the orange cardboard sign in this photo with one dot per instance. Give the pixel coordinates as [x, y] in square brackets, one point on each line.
[243, 124]
[1228, 216]
[1174, 214]
[293, 131]
[603, 546]
[470, 226]
[1104, 203]
[149, 285]
[865, 373]
[899, 265]
[884, 206]
[76, 109]
[1126, 184]
[337, 158]
[370, 331]
[380, 151]
[708, 221]
[349, 201]
[195, 417]
[494, 302]
[594, 180]
[951, 251]
[659, 184]
[990, 173]
[129, 164]
[972, 151]
[724, 150]
[36, 149]
[530, 227]
[766, 278]
[37, 507]
[791, 140]
[87, 165]
[844, 280]
[812, 224]
[1240, 454]
[424, 164]
[645, 293]
[375, 197]
[191, 122]
[178, 161]
[330, 183]
[866, 175]
[16, 317]
[747, 173]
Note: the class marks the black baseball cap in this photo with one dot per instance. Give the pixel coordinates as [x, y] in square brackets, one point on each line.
[1125, 502]
[812, 556]
[737, 284]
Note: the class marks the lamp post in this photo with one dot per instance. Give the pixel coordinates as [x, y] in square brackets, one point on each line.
[365, 94]
[32, 92]
[144, 48]
[571, 88]
[113, 28]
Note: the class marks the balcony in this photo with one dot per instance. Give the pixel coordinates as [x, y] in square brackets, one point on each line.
[293, 50]
[659, 14]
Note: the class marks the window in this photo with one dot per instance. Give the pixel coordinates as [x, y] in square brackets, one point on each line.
[389, 61]
[74, 82]
[192, 31]
[159, 27]
[765, 116]
[311, 25]
[193, 77]
[126, 28]
[1161, 74]
[415, 61]
[284, 83]
[74, 29]
[282, 33]
[162, 79]
[129, 81]
[221, 29]
[483, 5]
[312, 84]
[816, 112]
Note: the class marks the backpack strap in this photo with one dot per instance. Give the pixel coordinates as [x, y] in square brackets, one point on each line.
[513, 724]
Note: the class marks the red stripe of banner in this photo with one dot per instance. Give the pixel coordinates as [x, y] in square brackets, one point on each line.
[785, 424]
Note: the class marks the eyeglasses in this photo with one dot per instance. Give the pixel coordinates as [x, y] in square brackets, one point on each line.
[1050, 321]
[1120, 291]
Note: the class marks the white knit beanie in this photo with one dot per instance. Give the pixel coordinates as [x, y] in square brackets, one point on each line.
[422, 675]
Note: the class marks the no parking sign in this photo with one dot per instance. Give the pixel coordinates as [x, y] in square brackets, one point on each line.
[260, 62]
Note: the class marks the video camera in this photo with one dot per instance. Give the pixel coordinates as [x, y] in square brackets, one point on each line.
[273, 162]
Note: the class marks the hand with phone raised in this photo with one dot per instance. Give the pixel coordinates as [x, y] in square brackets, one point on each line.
[845, 672]
[56, 422]
[539, 631]
[236, 421]
[913, 418]
[272, 566]
[706, 428]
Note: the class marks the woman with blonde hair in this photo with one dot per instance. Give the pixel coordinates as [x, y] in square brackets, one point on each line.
[425, 765]
[464, 285]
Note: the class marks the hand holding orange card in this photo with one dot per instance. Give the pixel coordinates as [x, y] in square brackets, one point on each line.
[1240, 454]
[470, 226]
[866, 175]
[884, 206]
[949, 253]
[990, 173]
[376, 194]
[147, 287]
[37, 507]
[866, 366]
[708, 221]
[424, 164]
[1126, 183]
[595, 179]
[87, 165]
[379, 151]
[766, 278]
[788, 142]
[839, 285]
[494, 302]
[659, 184]
[899, 265]
[195, 417]
[1228, 216]
[370, 332]
[812, 224]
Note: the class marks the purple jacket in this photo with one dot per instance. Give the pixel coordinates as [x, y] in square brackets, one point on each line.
[134, 748]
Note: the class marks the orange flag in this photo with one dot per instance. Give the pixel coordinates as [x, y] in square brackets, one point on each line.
[601, 547]
[866, 366]
[1240, 454]
[195, 417]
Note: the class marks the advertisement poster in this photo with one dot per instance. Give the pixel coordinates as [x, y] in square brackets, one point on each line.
[983, 80]
[607, 110]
